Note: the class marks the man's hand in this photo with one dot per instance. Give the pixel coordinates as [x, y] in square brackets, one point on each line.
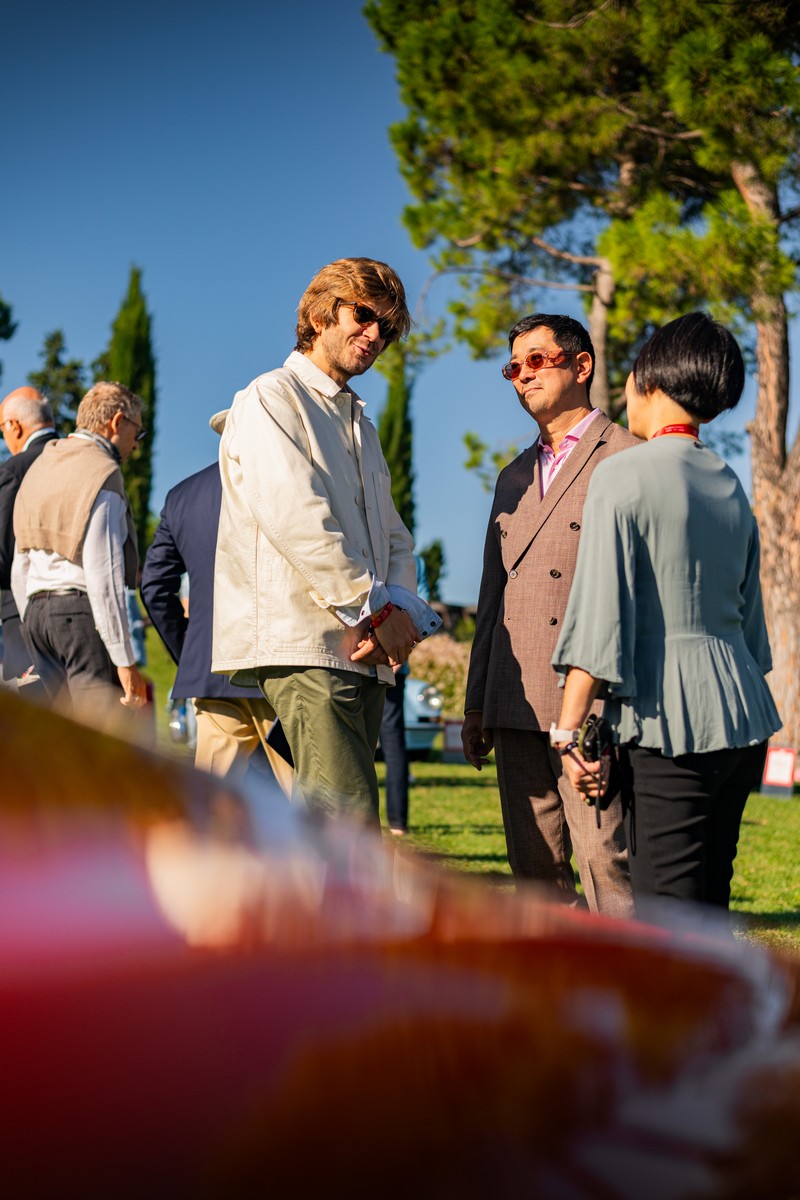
[398, 635]
[371, 652]
[476, 740]
[134, 687]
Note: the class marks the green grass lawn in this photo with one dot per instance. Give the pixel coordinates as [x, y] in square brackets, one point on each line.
[455, 816]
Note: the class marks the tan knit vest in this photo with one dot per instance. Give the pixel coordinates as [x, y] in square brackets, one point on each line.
[55, 500]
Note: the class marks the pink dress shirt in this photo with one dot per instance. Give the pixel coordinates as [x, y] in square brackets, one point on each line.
[549, 462]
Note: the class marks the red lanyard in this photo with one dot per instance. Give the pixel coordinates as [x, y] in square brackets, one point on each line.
[692, 430]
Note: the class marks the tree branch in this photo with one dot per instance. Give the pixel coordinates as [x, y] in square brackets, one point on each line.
[791, 215]
[528, 280]
[585, 260]
[463, 243]
[688, 135]
[576, 22]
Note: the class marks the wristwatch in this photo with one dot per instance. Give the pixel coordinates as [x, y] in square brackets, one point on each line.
[557, 736]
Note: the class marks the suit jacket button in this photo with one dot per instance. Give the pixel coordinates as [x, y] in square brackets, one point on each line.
[512, 574]
[574, 525]
[503, 533]
[555, 574]
[553, 621]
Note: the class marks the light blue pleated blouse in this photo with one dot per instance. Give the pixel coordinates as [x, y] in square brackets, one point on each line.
[666, 602]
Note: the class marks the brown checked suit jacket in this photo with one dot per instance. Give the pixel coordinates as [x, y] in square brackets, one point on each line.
[528, 566]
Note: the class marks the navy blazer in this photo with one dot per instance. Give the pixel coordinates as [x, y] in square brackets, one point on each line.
[16, 656]
[186, 541]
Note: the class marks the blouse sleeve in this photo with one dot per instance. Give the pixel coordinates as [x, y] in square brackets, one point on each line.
[754, 626]
[599, 630]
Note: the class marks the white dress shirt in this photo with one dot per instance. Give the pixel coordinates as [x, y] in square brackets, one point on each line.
[101, 575]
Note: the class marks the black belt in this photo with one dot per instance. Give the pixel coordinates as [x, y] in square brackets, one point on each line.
[56, 592]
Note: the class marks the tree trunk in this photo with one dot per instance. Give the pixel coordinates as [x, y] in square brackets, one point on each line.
[776, 495]
[598, 331]
[776, 478]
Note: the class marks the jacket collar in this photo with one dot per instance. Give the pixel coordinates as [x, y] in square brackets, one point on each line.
[313, 377]
[98, 439]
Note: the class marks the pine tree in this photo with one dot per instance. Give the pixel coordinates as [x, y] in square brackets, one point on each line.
[62, 381]
[643, 155]
[129, 360]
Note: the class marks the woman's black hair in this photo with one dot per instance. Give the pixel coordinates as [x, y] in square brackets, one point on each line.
[696, 362]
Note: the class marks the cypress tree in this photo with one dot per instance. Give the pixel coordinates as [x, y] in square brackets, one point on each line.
[129, 360]
[396, 432]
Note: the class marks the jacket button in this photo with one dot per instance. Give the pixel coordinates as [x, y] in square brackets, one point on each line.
[512, 574]
[574, 525]
[503, 533]
[553, 621]
[555, 574]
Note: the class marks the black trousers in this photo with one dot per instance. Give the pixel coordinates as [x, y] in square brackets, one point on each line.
[68, 652]
[682, 818]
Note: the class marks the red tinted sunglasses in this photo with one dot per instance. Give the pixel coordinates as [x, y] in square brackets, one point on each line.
[535, 361]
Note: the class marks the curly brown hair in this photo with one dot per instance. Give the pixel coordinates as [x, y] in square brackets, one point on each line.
[352, 280]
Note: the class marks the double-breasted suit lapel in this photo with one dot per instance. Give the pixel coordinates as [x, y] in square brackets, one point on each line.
[529, 561]
[534, 510]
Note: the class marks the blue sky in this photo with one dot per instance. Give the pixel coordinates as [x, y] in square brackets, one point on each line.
[229, 150]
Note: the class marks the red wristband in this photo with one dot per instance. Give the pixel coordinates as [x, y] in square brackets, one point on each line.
[379, 617]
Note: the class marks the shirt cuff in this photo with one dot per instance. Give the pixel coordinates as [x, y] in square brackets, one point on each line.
[377, 598]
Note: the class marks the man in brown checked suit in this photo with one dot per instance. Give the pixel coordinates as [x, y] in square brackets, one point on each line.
[529, 561]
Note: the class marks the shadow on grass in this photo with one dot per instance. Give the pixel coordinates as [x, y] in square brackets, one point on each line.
[774, 920]
[487, 858]
[444, 781]
[452, 861]
[490, 828]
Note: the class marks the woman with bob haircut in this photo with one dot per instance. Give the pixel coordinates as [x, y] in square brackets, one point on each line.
[665, 616]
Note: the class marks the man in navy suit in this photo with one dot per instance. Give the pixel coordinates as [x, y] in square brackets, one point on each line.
[26, 421]
[231, 721]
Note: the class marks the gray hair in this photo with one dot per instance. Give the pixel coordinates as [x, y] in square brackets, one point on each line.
[101, 404]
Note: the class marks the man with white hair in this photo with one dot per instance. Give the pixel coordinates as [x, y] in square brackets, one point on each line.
[26, 422]
[76, 552]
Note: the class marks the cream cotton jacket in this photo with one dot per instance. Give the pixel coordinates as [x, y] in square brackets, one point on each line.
[307, 524]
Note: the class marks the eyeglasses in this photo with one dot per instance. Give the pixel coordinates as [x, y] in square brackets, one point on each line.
[141, 431]
[535, 361]
[364, 315]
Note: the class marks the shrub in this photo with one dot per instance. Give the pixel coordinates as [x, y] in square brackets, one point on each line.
[443, 661]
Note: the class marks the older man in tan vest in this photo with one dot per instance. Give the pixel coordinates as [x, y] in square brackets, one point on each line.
[76, 552]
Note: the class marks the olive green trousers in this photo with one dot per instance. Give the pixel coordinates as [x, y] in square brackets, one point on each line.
[331, 720]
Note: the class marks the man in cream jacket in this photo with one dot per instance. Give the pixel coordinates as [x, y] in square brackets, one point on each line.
[309, 540]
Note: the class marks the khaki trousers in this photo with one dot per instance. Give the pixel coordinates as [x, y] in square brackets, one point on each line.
[229, 731]
[546, 820]
[331, 719]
